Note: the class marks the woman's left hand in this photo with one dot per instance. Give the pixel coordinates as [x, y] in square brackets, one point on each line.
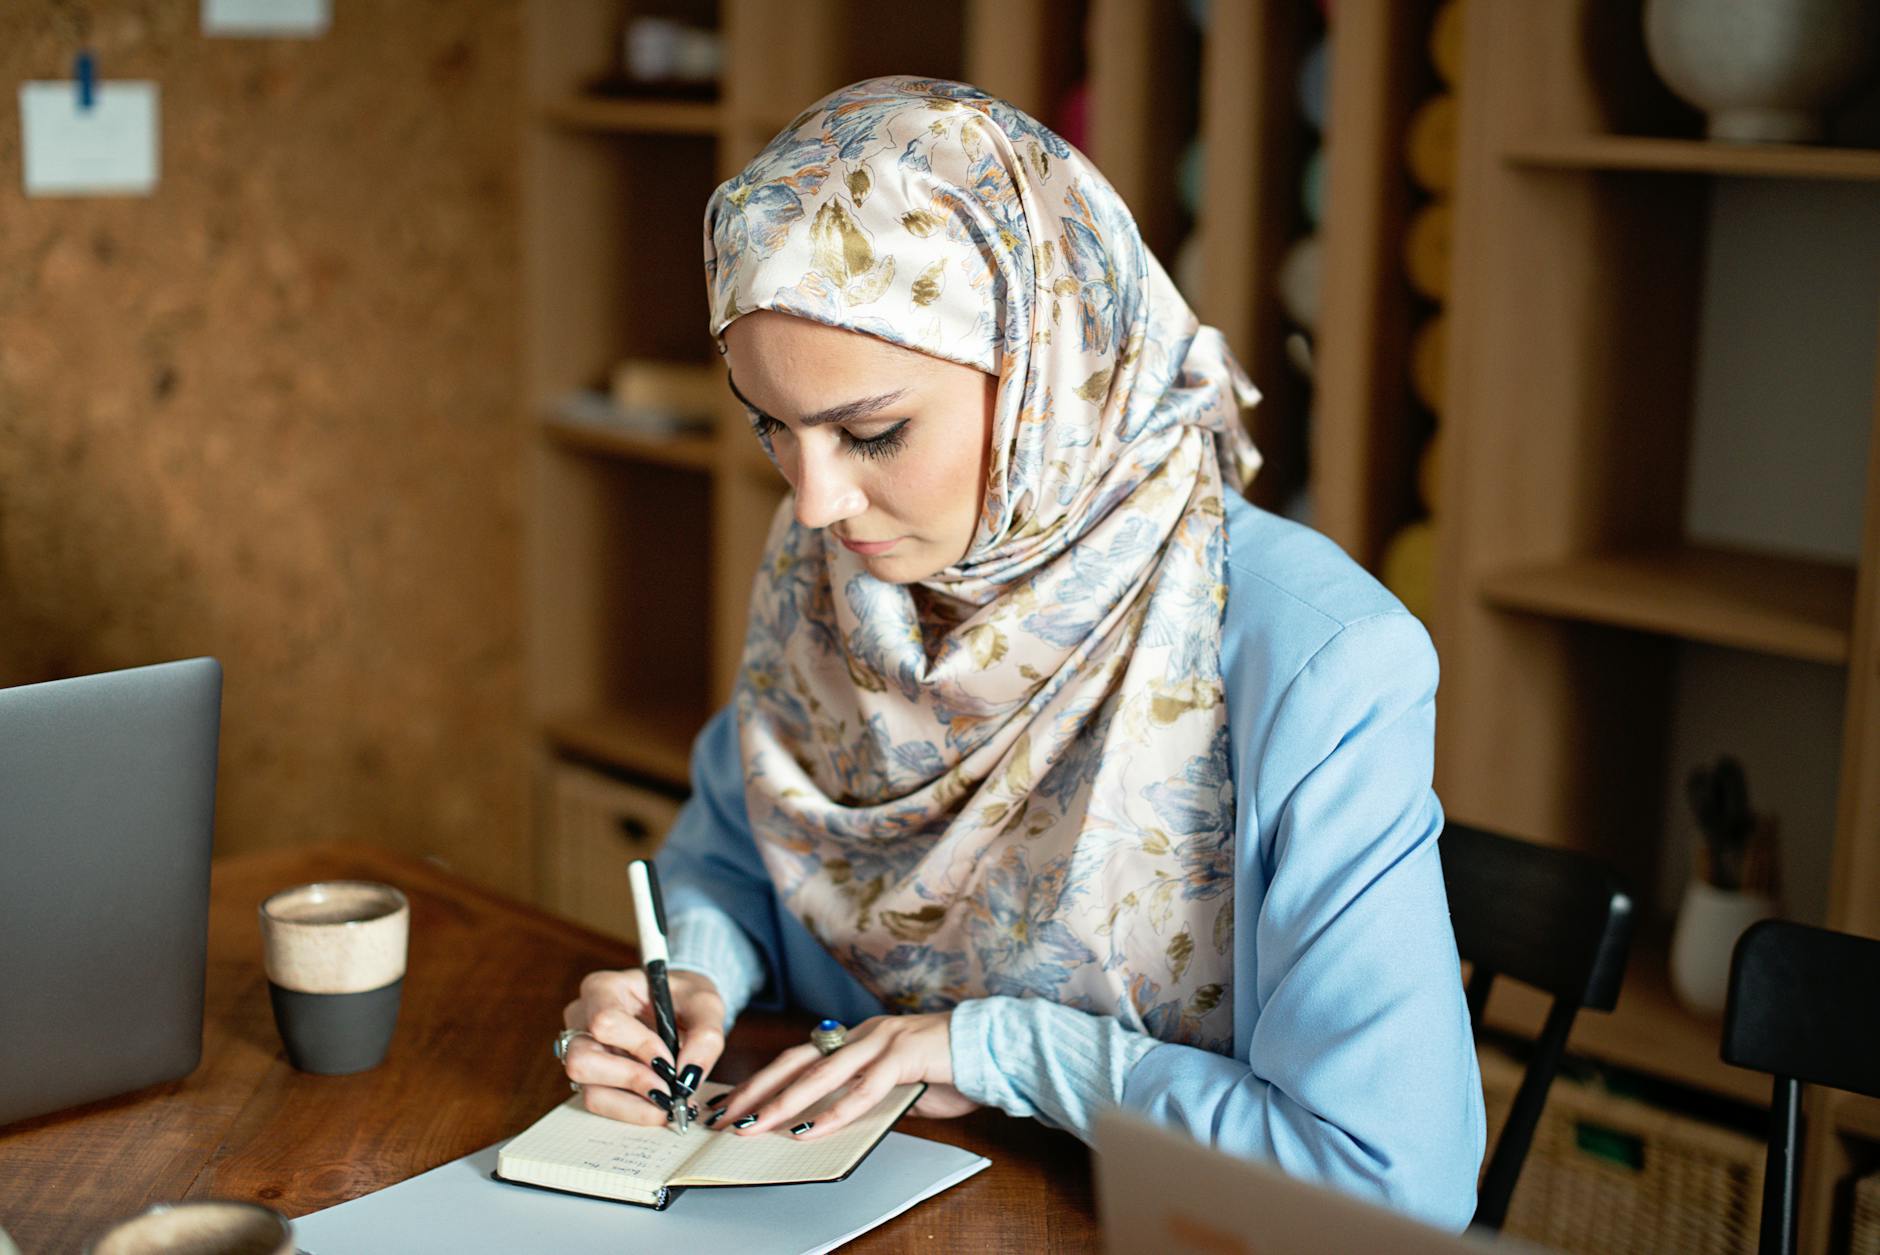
[881, 1053]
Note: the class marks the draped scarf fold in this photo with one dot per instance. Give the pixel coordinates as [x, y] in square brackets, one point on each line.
[1011, 778]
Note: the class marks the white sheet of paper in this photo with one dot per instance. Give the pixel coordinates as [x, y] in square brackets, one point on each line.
[458, 1210]
[248, 19]
[109, 149]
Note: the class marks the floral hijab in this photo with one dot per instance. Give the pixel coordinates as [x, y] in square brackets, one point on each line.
[1011, 778]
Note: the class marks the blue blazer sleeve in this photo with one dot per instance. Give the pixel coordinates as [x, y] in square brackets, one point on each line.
[709, 864]
[714, 877]
[1354, 1061]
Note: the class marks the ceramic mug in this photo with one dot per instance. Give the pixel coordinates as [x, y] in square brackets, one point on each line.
[199, 1227]
[335, 957]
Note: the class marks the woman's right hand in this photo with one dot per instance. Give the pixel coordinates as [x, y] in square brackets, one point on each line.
[613, 1063]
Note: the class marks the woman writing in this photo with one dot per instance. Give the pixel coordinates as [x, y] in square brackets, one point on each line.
[1058, 772]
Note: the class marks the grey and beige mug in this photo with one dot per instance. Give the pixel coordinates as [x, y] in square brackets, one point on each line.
[335, 956]
[200, 1227]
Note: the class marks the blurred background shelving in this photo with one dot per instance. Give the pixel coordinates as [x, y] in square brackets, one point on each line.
[1658, 537]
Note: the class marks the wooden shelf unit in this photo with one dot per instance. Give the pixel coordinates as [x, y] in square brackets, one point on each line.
[642, 741]
[1789, 607]
[698, 453]
[636, 117]
[1693, 156]
[1566, 580]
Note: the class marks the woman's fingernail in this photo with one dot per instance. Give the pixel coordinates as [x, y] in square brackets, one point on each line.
[691, 1111]
[803, 1128]
[664, 1071]
[714, 1117]
[688, 1079]
[746, 1122]
[719, 1099]
[661, 1099]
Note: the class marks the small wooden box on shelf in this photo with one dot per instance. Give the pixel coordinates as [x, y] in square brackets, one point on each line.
[1569, 582]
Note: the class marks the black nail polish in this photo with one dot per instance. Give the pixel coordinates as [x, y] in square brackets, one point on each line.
[746, 1122]
[689, 1079]
[691, 1111]
[803, 1128]
[664, 1071]
[719, 1099]
[714, 1117]
[661, 1099]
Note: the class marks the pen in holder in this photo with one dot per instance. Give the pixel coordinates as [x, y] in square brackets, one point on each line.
[1734, 884]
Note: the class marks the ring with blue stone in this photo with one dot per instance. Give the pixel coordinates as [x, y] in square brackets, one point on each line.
[829, 1036]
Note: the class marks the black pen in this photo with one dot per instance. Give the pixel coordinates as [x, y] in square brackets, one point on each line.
[650, 914]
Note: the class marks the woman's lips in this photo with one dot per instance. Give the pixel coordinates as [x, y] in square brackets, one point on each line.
[869, 548]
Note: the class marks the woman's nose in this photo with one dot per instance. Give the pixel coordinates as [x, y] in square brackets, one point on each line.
[824, 492]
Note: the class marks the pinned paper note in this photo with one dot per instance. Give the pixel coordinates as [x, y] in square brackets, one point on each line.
[104, 147]
[302, 19]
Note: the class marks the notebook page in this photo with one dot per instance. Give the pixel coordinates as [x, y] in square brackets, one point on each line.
[571, 1148]
[778, 1157]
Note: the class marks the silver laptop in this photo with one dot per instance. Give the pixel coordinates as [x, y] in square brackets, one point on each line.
[1161, 1191]
[107, 807]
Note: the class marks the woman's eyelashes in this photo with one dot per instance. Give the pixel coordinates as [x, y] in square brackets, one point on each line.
[885, 444]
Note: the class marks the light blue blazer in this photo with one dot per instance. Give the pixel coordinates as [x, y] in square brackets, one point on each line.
[1353, 1061]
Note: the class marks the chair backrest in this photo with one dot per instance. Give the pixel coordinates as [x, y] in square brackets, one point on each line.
[1804, 1005]
[1551, 918]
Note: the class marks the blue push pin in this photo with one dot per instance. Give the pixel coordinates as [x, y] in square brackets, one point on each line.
[87, 75]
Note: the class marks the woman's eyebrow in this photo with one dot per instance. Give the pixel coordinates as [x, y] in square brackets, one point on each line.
[847, 412]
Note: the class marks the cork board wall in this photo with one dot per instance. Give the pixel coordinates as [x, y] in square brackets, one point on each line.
[270, 413]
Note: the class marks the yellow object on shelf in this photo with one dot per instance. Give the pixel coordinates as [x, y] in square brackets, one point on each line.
[1410, 567]
[1426, 250]
[1430, 144]
[1446, 42]
[1429, 365]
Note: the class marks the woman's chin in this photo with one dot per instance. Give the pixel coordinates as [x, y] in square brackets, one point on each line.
[896, 567]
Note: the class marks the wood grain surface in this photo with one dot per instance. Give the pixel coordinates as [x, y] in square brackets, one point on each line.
[470, 1064]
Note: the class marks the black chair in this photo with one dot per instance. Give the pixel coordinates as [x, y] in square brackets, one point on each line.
[1551, 918]
[1804, 1005]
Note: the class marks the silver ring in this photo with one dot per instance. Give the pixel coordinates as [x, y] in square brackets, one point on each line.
[564, 1038]
[829, 1036]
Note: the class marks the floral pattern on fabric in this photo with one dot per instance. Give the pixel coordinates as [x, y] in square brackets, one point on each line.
[1027, 791]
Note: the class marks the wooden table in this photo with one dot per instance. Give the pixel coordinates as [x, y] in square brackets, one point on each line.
[470, 1065]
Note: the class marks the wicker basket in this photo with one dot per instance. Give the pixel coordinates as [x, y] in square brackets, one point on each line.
[1609, 1175]
[1864, 1231]
[596, 825]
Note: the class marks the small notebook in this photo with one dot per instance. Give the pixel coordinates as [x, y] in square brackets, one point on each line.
[575, 1150]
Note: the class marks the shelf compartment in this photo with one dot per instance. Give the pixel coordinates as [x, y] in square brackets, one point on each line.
[1789, 607]
[1649, 1031]
[652, 742]
[635, 117]
[693, 453]
[1693, 156]
[1857, 1114]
